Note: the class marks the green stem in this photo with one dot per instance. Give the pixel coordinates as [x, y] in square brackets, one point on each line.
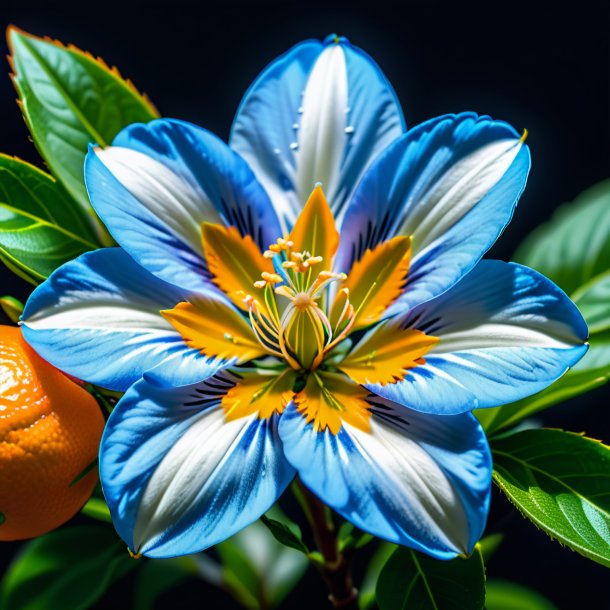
[335, 570]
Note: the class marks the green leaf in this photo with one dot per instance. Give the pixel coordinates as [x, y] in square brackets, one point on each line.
[157, 576]
[489, 545]
[593, 300]
[40, 228]
[413, 580]
[506, 595]
[69, 100]
[258, 570]
[574, 246]
[560, 481]
[288, 536]
[96, 508]
[12, 308]
[69, 568]
[366, 596]
[350, 537]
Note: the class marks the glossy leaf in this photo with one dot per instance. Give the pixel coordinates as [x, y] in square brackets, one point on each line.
[285, 535]
[40, 228]
[573, 247]
[69, 569]
[96, 508]
[489, 545]
[366, 591]
[350, 537]
[413, 580]
[506, 595]
[561, 482]
[12, 308]
[158, 576]
[70, 99]
[258, 570]
[593, 300]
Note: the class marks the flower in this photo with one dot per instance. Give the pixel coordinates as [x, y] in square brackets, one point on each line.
[263, 325]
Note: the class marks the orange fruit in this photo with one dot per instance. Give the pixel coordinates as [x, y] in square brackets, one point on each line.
[50, 429]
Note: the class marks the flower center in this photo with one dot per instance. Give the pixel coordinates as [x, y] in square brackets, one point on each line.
[290, 318]
[303, 301]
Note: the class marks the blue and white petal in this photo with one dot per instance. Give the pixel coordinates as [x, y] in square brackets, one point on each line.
[158, 182]
[453, 184]
[97, 318]
[178, 477]
[418, 480]
[505, 332]
[320, 113]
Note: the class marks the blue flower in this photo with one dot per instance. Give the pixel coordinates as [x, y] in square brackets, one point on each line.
[264, 325]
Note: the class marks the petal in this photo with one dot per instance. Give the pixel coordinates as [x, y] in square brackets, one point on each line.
[505, 332]
[319, 113]
[159, 182]
[386, 353]
[418, 480]
[235, 262]
[254, 385]
[376, 281]
[452, 183]
[178, 477]
[98, 318]
[214, 328]
[330, 399]
[314, 230]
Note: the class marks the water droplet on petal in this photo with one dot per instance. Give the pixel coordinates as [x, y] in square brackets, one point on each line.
[300, 110]
[348, 110]
[276, 151]
[293, 146]
[295, 125]
[349, 129]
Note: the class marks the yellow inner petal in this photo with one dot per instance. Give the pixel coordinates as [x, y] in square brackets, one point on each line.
[376, 280]
[329, 399]
[215, 329]
[315, 231]
[235, 261]
[256, 393]
[386, 353]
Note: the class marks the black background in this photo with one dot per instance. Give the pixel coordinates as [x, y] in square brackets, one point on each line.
[546, 69]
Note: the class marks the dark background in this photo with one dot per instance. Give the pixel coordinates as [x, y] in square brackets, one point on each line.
[544, 69]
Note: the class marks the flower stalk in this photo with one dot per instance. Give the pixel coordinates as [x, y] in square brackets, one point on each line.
[336, 567]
